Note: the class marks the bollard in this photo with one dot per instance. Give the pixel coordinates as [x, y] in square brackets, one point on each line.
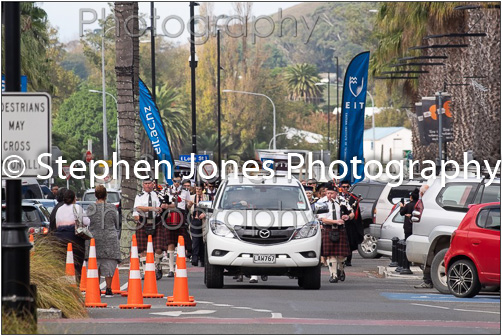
[394, 252]
[406, 263]
[399, 256]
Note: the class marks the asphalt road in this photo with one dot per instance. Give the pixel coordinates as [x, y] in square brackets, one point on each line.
[365, 303]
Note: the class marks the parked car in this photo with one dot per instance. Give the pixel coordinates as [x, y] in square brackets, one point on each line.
[113, 196]
[34, 215]
[391, 227]
[369, 191]
[262, 227]
[30, 189]
[438, 214]
[388, 198]
[49, 204]
[473, 259]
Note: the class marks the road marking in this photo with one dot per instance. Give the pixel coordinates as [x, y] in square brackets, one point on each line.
[102, 285]
[478, 311]
[220, 304]
[276, 315]
[124, 286]
[177, 313]
[424, 305]
[243, 308]
[440, 298]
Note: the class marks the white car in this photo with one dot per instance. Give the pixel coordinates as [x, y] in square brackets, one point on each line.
[263, 227]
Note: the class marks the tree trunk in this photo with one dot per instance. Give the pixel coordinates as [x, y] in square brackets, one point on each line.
[127, 70]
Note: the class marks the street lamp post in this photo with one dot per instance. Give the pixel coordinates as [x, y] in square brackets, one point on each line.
[262, 95]
[329, 107]
[270, 142]
[373, 124]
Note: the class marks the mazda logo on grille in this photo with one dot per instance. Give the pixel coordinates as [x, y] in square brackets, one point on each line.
[264, 233]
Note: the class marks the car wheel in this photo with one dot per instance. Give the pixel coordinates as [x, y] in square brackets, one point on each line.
[438, 273]
[311, 277]
[213, 275]
[368, 248]
[463, 280]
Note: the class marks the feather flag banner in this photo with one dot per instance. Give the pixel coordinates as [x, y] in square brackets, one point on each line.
[352, 123]
[152, 122]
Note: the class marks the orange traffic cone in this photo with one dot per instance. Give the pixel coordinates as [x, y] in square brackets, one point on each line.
[83, 277]
[180, 291]
[93, 293]
[70, 267]
[150, 285]
[116, 282]
[32, 241]
[134, 296]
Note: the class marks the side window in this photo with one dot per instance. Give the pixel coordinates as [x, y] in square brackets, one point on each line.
[398, 218]
[401, 192]
[481, 220]
[361, 190]
[491, 194]
[456, 195]
[493, 220]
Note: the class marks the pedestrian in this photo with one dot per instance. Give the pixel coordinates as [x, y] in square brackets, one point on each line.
[354, 227]
[173, 218]
[309, 191]
[54, 192]
[406, 211]
[104, 226]
[52, 217]
[211, 191]
[184, 194]
[147, 214]
[66, 216]
[335, 246]
[197, 225]
[426, 279]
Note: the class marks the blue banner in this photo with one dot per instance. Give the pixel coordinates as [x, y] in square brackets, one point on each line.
[352, 121]
[152, 122]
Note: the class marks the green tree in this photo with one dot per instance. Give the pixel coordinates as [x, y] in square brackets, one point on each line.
[301, 80]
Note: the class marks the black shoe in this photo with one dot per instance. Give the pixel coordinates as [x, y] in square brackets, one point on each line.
[170, 274]
[342, 275]
[333, 279]
[348, 263]
[108, 292]
[202, 264]
[264, 277]
[195, 263]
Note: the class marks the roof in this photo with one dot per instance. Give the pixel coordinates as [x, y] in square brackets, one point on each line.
[381, 132]
[309, 137]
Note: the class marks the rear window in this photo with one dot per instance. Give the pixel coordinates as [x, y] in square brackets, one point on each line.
[401, 192]
[457, 195]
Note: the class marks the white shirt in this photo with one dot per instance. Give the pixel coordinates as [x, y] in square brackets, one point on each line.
[183, 194]
[336, 204]
[65, 215]
[141, 200]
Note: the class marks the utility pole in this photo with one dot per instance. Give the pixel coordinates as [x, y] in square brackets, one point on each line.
[17, 295]
[219, 103]
[329, 114]
[339, 110]
[105, 128]
[193, 65]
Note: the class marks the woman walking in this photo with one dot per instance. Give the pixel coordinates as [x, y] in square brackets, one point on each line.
[104, 228]
[65, 229]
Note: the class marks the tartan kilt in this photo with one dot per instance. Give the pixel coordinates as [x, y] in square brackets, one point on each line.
[159, 238]
[174, 228]
[330, 249]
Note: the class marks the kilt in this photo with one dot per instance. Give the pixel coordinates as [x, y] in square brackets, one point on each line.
[174, 228]
[330, 249]
[159, 238]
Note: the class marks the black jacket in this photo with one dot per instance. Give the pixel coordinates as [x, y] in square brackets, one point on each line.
[408, 210]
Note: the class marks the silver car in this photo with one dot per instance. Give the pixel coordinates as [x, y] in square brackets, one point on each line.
[392, 227]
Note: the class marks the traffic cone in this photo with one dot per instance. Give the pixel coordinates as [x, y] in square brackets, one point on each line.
[134, 296]
[32, 241]
[116, 282]
[180, 290]
[83, 277]
[93, 293]
[150, 285]
[70, 266]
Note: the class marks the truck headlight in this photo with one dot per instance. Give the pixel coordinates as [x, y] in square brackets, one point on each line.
[221, 229]
[307, 231]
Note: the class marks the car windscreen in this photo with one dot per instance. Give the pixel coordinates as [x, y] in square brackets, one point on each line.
[263, 197]
[111, 197]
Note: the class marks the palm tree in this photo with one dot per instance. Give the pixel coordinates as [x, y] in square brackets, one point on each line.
[174, 117]
[301, 80]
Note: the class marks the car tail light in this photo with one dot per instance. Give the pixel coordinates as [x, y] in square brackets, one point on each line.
[417, 212]
[45, 231]
[31, 230]
[117, 205]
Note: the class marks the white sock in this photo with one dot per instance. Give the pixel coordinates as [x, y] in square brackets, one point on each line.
[171, 260]
[332, 266]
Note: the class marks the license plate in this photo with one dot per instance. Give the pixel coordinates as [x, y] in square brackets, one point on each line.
[264, 258]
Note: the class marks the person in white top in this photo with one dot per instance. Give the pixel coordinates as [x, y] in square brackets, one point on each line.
[65, 229]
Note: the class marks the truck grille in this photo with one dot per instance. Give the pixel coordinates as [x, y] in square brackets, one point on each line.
[268, 236]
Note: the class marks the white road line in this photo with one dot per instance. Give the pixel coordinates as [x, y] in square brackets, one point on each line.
[478, 311]
[124, 286]
[424, 305]
[276, 315]
[262, 310]
[243, 308]
[221, 305]
[102, 285]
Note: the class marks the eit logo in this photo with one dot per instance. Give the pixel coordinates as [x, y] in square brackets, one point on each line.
[358, 89]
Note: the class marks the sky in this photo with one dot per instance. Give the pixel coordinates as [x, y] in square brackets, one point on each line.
[65, 15]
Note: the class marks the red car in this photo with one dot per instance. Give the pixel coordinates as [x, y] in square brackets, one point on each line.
[473, 259]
